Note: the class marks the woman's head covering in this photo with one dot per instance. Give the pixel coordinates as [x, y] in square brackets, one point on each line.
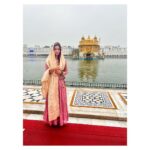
[51, 59]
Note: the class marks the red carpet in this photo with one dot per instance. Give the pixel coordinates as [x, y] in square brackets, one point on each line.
[39, 133]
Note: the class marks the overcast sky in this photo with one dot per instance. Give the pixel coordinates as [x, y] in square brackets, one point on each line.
[45, 24]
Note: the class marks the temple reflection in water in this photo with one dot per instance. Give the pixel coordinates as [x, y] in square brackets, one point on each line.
[90, 71]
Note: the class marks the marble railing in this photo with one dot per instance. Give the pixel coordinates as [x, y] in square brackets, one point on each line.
[82, 84]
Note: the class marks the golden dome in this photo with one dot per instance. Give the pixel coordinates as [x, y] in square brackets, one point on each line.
[82, 38]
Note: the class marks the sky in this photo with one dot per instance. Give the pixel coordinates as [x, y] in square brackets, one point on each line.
[46, 24]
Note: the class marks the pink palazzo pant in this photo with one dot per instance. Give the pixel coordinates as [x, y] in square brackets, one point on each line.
[63, 117]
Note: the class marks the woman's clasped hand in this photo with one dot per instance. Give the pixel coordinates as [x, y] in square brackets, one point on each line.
[58, 71]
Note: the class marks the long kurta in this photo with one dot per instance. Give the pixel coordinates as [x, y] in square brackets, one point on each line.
[63, 108]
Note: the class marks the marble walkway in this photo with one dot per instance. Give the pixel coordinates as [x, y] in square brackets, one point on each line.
[106, 107]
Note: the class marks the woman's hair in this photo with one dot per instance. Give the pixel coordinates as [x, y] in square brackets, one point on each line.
[57, 44]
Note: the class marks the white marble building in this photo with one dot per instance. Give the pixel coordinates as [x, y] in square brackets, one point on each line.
[37, 50]
[114, 50]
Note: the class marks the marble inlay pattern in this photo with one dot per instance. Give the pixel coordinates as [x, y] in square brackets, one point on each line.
[96, 99]
[123, 96]
[32, 95]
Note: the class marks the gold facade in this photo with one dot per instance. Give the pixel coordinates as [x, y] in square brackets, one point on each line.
[89, 46]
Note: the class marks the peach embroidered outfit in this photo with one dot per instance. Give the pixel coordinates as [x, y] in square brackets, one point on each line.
[54, 91]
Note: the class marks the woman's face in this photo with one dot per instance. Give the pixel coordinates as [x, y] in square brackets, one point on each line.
[57, 50]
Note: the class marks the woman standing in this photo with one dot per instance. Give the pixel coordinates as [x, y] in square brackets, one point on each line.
[54, 88]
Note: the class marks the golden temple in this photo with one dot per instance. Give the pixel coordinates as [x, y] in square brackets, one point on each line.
[89, 47]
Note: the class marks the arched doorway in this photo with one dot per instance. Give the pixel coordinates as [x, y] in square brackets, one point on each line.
[88, 55]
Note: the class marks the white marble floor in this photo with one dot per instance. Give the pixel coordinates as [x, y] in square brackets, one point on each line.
[120, 112]
[82, 120]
